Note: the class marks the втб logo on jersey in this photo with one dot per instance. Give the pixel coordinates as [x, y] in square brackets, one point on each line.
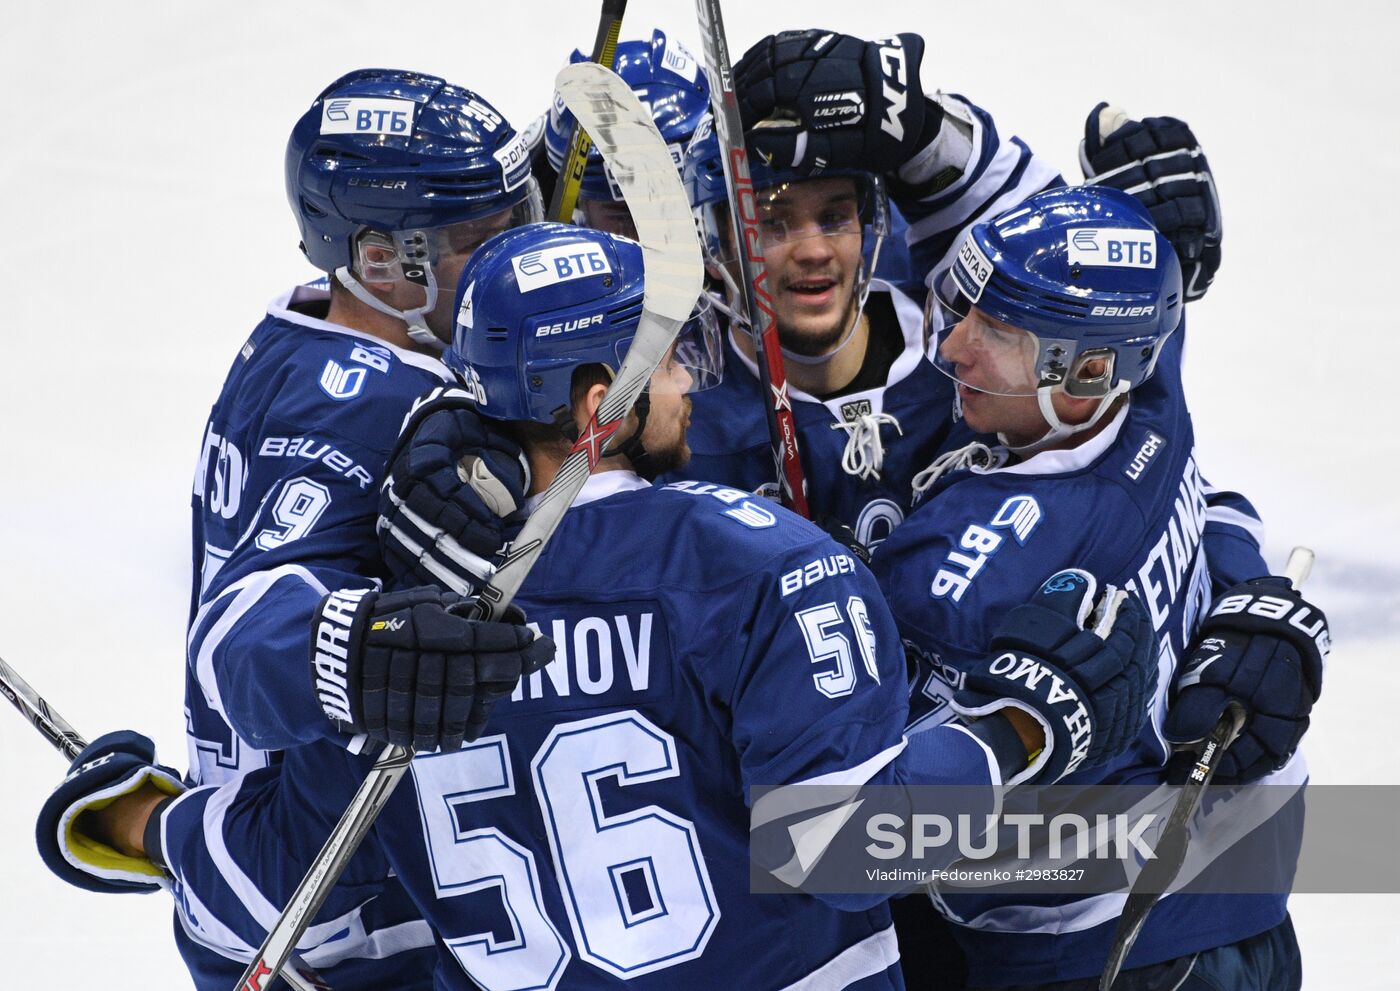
[562, 263]
[1020, 514]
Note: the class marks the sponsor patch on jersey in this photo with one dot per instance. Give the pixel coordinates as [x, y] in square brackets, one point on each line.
[746, 506]
[1021, 514]
[1144, 456]
[1112, 247]
[561, 263]
[852, 411]
[341, 383]
[972, 269]
[368, 115]
[514, 160]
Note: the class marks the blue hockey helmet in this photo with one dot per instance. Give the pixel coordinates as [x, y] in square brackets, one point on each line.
[410, 163]
[539, 301]
[667, 78]
[1074, 289]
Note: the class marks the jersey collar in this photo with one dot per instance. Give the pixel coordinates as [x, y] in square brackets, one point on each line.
[911, 320]
[598, 487]
[1065, 461]
[281, 309]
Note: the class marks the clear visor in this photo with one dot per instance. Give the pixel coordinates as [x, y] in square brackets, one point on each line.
[989, 355]
[698, 351]
[841, 206]
[388, 257]
[611, 216]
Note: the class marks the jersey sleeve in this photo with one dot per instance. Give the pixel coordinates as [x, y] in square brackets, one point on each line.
[968, 174]
[236, 853]
[1232, 538]
[312, 533]
[820, 687]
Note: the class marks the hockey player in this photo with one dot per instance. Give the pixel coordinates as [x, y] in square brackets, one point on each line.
[395, 178]
[1061, 352]
[600, 837]
[670, 81]
[869, 407]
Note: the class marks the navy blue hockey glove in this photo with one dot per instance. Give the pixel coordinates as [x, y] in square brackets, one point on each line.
[844, 536]
[1088, 687]
[412, 669]
[815, 100]
[1262, 646]
[1159, 161]
[71, 844]
[452, 496]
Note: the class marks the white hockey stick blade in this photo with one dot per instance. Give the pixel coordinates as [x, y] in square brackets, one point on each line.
[641, 164]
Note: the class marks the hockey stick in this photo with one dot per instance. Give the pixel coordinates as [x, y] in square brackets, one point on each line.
[69, 742]
[642, 167]
[753, 278]
[565, 198]
[1157, 875]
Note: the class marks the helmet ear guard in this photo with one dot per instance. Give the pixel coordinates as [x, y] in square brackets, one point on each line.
[1073, 291]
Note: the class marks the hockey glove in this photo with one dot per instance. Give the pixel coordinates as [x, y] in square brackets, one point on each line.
[1088, 688]
[452, 495]
[1159, 161]
[844, 536]
[411, 669]
[816, 100]
[70, 842]
[1262, 646]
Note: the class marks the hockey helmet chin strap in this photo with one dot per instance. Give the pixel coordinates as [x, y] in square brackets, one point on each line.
[1058, 429]
[415, 318]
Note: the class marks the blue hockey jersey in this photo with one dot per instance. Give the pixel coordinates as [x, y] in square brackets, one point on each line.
[1130, 506]
[599, 835]
[904, 422]
[285, 502]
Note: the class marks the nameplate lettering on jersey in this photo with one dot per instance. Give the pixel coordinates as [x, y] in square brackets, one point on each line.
[747, 509]
[601, 660]
[814, 571]
[1144, 456]
[561, 263]
[1161, 580]
[310, 449]
[367, 115]
[1020, 514]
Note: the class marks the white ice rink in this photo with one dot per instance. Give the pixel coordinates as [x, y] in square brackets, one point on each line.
[142, 188]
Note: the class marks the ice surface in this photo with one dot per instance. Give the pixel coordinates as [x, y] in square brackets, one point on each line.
[142, 178]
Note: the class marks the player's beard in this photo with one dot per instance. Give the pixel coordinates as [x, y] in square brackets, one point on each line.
[811, 343]
[674, 453]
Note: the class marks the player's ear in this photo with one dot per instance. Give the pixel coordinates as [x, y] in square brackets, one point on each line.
[587, 404]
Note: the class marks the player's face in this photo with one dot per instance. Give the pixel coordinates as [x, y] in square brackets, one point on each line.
[453, 247]
[669, 417]
[812, 246]
[608, 215]
[992, 364]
